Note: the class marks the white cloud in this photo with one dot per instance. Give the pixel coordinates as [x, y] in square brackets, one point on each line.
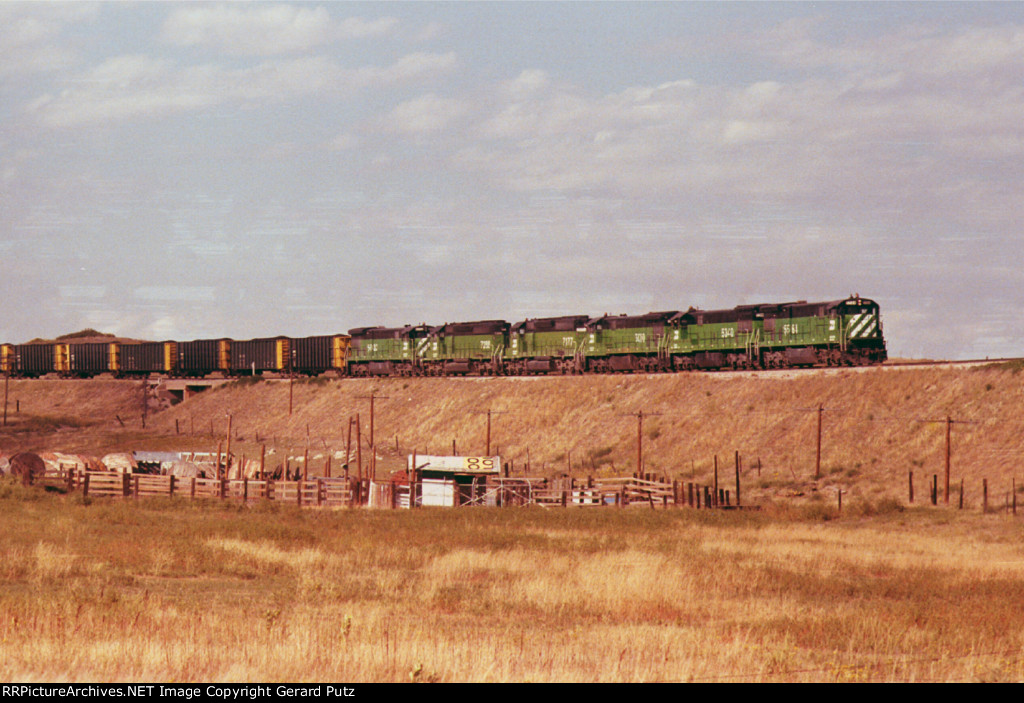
[249, 29]
[128, 87]
[30, 36]
[428, 113]
[528, 82]
[358, 28]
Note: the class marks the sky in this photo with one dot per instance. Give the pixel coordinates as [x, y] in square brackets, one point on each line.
[195, 170]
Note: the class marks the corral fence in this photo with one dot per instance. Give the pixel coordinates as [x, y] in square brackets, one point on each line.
[655, 492]
[326, 492]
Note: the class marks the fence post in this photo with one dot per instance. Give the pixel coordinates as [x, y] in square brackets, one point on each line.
[171, 489]
[984, 493]
[85, 485]
[910, 485]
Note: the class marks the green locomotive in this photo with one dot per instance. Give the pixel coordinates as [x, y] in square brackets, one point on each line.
[775, 335]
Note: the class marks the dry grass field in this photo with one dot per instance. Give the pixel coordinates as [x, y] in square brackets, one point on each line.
[181, 591]
[195, 591]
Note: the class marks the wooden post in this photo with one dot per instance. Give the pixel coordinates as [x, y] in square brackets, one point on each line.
[7, 381]
[840, 500]
[227, 453]
[639, 443]
[359, 449]
[961, 494]
[305, 465]
[935, 489]
[949, 425]
[135, 486]
[984, 495]
[412, 482]
[348, 446]
[737, 478]
[85, 485]
[817, 459]
[171, 487]
[715, 492]
[263, 460]
[910, 485]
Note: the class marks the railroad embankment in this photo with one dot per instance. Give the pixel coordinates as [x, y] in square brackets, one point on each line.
[876, 425]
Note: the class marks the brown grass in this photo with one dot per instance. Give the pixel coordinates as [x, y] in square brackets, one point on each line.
[174, 591]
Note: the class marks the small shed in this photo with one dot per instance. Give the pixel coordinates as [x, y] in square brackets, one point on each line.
[451, 481]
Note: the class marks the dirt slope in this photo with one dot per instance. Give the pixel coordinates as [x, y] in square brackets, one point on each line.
[876, 425]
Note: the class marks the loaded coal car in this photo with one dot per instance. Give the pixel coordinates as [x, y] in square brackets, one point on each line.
[34, 360]
[92, 358]
[313, 356]
[547, 345]
[7, 359]
[144, 358]
[255, 356]
[631, 342]
[387, 351]
[459, 348]
[202, 357]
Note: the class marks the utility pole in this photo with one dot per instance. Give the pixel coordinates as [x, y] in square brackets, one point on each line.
[227, 457]
[817, 455]
[817, 459]
[489, 412]
[949, 447]
[640, 415]
[949, 427]
[373, 452]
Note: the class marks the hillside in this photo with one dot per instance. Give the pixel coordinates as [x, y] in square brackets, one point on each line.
[876, 425]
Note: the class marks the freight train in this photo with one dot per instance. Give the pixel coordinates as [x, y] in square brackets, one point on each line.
[843, 332]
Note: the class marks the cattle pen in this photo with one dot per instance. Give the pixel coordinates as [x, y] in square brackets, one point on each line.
[349, 492]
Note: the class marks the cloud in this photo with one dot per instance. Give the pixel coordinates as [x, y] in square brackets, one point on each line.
[895, 125]
[428, 113]
[265, 30]
[134, 86]
[31, 36]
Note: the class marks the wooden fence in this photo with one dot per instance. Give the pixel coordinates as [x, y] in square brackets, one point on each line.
[350, 492]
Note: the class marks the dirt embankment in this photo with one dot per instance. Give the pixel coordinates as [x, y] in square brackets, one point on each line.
[876, 425]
